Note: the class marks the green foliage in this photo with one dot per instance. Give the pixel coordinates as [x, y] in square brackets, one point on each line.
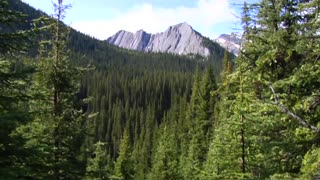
[99, 164]
[268, 109]
[14, 81]
[310, 164]
[56, 131]
[165, 162]
[12, 41]
[201, 114]
[212, 46]
[149, 118]
[124, 166]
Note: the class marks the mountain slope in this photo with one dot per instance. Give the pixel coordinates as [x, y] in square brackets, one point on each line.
[86, 49]
[230, 42]
[177, 39]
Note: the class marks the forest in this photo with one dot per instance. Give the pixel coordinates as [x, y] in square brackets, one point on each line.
[74, 107]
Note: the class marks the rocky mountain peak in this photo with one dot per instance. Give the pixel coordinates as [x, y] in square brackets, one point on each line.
[182, 26]
[232, 42]
[177, 39]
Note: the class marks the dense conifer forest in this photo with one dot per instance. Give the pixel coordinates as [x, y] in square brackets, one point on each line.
[74, 107]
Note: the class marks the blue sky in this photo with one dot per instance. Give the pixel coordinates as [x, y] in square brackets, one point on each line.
[103, 18]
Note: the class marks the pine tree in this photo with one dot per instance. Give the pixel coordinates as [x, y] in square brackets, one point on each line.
[57, 128]
[202, 124]
[63, 79]
[282, 61]
[234, 136]
[270, 112]
[13, 40]
[99, 165]
[124, 166]
[165, 162]
[15, 73]
[142, 151]
[228, 152]
[227, 67]
[192, 109]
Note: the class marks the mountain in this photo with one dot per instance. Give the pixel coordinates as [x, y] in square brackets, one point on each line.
[86, 49]
[231, 42]
[132, 94]
[177, 39]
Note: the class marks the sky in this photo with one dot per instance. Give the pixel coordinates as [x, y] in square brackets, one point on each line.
[103, 18]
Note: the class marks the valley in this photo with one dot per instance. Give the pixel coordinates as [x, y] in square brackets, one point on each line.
[168, 105]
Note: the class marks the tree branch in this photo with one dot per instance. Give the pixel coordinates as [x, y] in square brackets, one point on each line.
[286, 110]
[315, 104]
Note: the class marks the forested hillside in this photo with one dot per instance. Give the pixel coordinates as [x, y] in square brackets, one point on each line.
[73, 107]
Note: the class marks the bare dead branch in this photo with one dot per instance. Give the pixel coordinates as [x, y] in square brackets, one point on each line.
[286, 110]
[315, 104]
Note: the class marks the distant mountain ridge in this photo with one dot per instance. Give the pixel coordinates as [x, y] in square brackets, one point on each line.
[177, 39]
[230, 42]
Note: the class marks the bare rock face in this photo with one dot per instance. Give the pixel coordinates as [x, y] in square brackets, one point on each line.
[178, 39]
[122, 39]
[230, 42]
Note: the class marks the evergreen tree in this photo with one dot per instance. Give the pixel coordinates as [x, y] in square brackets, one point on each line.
[165, 162]
[99, 165]
[62, 78]
[229, 149]
[124, 165]
[56, 131]
[14, 77]
[143, 153]
[202, 124]
[192, 110]
[281, 58]
[270, 133]
[227, 67]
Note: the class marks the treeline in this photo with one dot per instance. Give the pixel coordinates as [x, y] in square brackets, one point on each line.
[86, 50]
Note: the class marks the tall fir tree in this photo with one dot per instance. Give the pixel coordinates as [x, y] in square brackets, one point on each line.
[124, 166]
[99, 165]
[202, 121]
[15, 75]
[269, 100]
[56, 132]
[165, 162]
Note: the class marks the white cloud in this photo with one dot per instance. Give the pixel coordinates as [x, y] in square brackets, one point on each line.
[203, 18]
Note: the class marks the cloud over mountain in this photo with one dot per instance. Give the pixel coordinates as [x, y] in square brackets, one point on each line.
[205, 16]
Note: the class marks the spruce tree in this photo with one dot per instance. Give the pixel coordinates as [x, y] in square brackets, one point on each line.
[99, 164]
[165, 162]
[15, 75]
[202, 121]
[124, 166]
[57, 128]
[272, 120]
[192, 110]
